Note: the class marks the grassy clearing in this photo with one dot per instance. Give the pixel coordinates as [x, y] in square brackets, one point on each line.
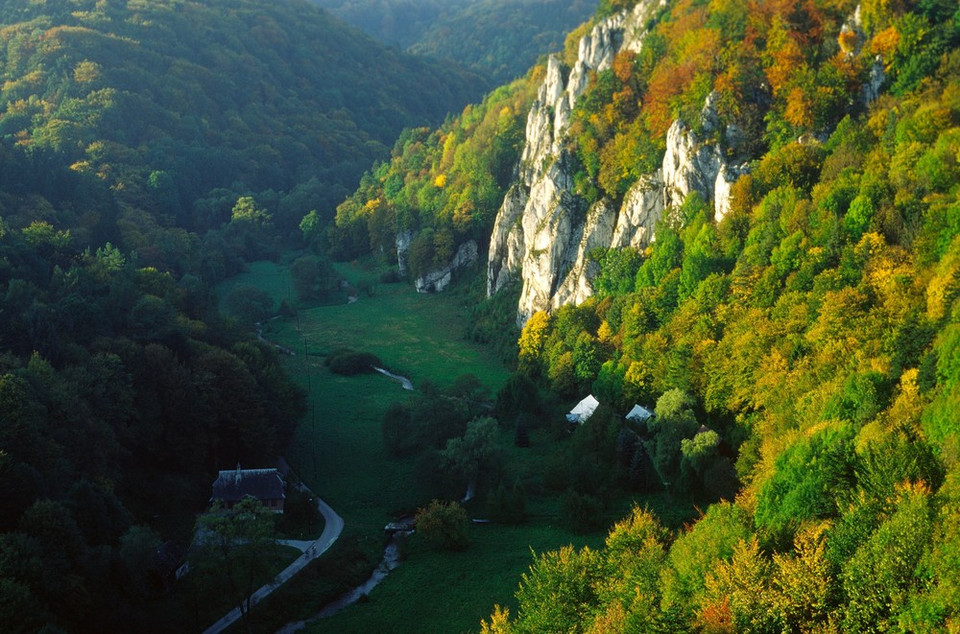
[339, 453]
[272, 277]
[418, 336]
[338, 449]
[452, 591]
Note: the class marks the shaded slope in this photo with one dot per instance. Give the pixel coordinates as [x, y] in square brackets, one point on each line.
[212, 92]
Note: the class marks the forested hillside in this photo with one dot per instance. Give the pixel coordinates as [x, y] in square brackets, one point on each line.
[503, 37]
[122, 391]
[499, 38]
[788, 306]
[798, 342]
[814, 328]
[443, 186]
[398, 22]
[148, 150]
[171, 102]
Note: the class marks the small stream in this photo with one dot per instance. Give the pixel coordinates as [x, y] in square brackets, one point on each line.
[404, 381]
[391, 559]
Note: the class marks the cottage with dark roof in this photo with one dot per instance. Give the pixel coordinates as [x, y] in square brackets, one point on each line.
[233, 485]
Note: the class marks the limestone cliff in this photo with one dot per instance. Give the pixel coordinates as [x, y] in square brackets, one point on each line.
[544, 232]
[438, 280]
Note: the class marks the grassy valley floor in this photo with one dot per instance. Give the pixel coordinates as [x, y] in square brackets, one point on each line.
[339, 453]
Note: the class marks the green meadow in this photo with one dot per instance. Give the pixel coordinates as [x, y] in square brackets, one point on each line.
[338, 450]
[272, 277]
[339, 453]
[452, 591]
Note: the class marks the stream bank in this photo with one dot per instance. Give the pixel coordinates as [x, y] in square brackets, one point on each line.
[404, 381]
[390, 561]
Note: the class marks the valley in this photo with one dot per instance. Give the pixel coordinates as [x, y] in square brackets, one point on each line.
[339, 453]
[738, 221]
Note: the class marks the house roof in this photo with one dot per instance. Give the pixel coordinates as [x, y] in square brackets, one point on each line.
[235, 484]
[583, 410]
[639, 413]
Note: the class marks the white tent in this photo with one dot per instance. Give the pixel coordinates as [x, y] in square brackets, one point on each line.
[639, 414]
[583, 410]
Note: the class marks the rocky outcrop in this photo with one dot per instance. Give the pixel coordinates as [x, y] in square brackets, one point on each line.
[543, 233]
[641, 209]
[596, 232]
[438, 280]
[854, 25]
[545, 230]
[506, 242]
[404, 240]
[696, 163]
[876, 80]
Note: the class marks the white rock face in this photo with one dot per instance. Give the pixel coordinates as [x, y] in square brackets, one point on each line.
[692, 165]
[871, 90]
[726, 177]
[596, 232]
[545, 229]
[404, 240]
[505, 241]
[596, 53]
[641, 209]
[436, 281]
[540, 128]
[688, 165]
[541, 234]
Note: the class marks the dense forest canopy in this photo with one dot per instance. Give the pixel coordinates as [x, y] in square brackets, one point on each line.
[122, 391]
[445, 185]
[167, 101]
[499, 38]
[148, 150]
[503, 38]
[814, 328]
[398, 22]
[800, 353]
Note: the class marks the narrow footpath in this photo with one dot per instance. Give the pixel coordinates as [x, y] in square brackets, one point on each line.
[332, 527]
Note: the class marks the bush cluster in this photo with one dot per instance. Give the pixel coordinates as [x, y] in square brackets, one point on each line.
[349, 362]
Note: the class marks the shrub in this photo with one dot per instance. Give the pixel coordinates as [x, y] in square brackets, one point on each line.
[507, 506]
[444, 525]
[582, 512]
[350, 362]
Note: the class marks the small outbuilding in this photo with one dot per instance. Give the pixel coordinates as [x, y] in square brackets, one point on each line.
[265, 485]
[583, 410]
[639, 414]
